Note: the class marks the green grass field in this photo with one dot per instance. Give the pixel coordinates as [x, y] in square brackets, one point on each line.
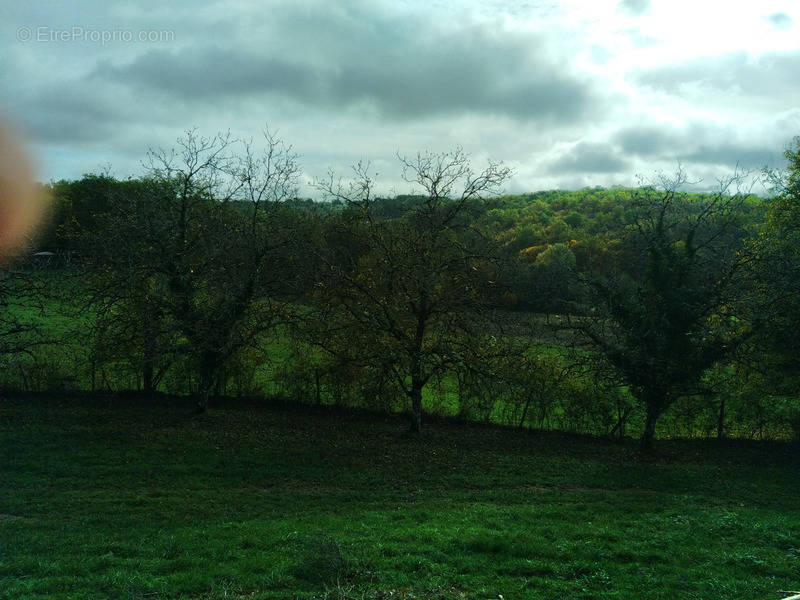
[122, 500]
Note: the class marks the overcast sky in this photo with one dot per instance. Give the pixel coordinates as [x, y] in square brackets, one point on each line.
[570, 94]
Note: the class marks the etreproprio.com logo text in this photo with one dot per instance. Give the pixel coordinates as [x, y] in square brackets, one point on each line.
[77, 33]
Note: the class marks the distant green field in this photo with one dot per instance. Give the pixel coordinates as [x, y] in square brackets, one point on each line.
[135, 501]
[65, 361]
[66, 358]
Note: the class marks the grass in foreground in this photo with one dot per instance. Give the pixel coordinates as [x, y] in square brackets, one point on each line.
[131, 501]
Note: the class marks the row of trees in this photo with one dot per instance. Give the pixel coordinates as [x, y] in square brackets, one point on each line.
[210, 254]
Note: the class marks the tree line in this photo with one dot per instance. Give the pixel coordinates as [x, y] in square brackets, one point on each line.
[629, 303]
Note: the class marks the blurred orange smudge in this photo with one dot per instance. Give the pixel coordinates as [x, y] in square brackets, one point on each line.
[22, 204]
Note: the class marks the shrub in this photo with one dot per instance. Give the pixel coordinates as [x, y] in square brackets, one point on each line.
[319, 560]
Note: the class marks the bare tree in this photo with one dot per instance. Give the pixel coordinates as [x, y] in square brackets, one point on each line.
[21, 300]
[403, 294]
[196, 250]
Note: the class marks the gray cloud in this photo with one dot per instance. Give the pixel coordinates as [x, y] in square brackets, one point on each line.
[773, 73]
[720, 153]
[400, 69]
[66, 114]
[700, 143]
[586, 157]
[210, 73]
[634, 7]
[779, 20]
[646, 141]
[364, 78]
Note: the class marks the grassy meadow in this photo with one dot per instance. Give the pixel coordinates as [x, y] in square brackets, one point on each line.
[135, 499]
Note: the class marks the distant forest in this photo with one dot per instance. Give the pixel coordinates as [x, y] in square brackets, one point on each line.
[648, 312]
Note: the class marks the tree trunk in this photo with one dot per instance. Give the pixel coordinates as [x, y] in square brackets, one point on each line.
[147, 377]
[207, 370]
[622, 417]
[524, 413]
[649, 431]
[202, 399]
[655, 403]
[148, 365]
[417, 381]
[416, 408]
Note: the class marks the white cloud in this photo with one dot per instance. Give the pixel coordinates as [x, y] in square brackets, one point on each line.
[570, 93]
